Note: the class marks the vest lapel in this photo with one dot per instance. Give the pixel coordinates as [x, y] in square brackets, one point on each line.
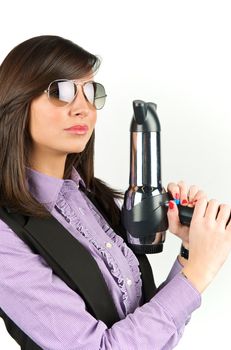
[68, 259]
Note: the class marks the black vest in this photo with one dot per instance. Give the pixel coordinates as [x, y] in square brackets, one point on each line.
[48, 238]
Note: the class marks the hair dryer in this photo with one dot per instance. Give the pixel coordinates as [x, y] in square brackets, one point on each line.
[144, 211]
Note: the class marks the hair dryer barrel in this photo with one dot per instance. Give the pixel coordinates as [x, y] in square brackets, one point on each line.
[144, 212]
[145, 160]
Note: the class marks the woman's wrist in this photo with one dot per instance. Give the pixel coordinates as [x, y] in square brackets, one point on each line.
[197, 276]
[182, 260]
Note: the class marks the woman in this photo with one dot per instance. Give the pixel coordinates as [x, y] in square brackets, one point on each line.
[48, 103]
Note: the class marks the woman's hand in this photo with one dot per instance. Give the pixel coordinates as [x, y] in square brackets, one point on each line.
[188, 197]
[209, 242]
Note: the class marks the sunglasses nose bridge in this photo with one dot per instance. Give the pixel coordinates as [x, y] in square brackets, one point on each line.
[80, 91]
[76, 90]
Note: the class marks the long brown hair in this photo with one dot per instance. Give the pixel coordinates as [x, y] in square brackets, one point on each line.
[24, 74]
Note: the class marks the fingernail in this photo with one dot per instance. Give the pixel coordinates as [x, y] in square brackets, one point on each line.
[184, 201]
[171, 205]
[193, 202]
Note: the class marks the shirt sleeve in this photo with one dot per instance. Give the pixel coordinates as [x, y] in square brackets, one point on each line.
[55, 317]
[176, 269]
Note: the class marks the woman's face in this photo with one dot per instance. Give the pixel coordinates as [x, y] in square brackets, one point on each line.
[61, 130]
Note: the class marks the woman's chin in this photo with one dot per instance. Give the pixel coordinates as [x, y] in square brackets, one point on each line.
[78, 149]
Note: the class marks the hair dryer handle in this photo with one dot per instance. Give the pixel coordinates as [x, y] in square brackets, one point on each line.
[185, 214]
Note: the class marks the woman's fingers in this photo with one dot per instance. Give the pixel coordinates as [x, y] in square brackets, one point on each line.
[228, 227]
[193, 190]
[174, 190]
[179, 191]
[173, 217]
[200, 209]
[223, 214]
[186, 196]
[212, 209]
[200, 194]
[194, 194]
[183, 192]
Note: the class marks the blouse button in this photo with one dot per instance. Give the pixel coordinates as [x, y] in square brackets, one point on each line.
[108, 245]
[81, 211]
[129, 282]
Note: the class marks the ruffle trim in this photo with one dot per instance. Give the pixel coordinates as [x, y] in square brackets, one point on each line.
[71, 218]
[126, 251]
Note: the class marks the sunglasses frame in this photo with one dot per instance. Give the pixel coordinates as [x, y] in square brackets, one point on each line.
[47, 91]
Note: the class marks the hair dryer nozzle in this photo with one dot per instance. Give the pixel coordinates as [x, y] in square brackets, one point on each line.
[140, 111]
[145, 118]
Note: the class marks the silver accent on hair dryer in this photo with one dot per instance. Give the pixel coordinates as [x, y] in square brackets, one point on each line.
[144, 213]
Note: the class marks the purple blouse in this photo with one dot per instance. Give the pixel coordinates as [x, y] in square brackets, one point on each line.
[54, 316]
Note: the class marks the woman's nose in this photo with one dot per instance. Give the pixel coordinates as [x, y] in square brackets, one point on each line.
[80, 105]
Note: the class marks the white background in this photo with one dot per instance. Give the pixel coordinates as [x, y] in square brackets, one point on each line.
[173, 53]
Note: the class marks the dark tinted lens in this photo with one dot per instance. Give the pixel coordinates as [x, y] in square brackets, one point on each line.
[61, 92]
[95, 94]
[100, 95]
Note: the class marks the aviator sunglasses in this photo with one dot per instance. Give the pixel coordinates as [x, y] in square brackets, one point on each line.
[63, 91]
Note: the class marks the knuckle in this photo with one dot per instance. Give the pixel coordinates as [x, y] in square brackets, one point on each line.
[208, 224]
[225, 207]
[201, 200]
[213, 201]
[202, 197]
[181, 184]
[193, 188]
[171, 186]
[201, 193]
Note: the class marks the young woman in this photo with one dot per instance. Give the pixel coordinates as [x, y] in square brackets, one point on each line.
[48, 104]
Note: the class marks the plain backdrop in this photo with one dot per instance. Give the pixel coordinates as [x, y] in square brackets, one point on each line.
[173, 53]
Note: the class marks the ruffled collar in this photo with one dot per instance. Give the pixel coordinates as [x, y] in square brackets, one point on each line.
[45, 188]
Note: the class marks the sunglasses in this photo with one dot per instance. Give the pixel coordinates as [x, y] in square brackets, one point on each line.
[63, 91]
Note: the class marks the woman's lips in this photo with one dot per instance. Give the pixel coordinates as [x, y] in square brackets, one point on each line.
[78, 129]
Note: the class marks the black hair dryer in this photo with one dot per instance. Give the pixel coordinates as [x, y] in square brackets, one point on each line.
[144, 211]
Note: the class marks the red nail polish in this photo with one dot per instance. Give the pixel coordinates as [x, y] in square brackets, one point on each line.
[184, 201]
[171, 205]
[177, 196]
